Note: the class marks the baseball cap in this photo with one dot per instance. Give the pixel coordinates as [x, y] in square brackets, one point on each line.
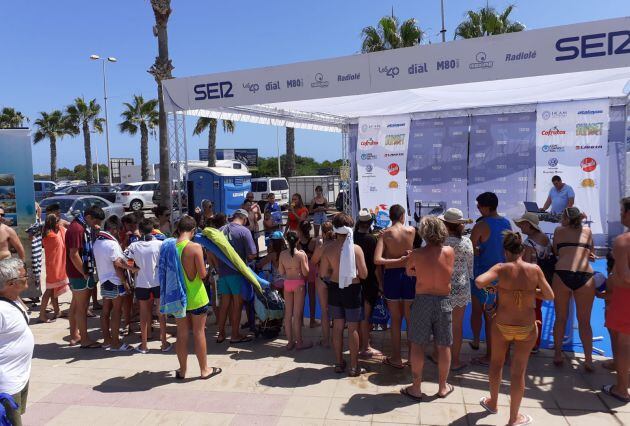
[241, 212]
[277, 235]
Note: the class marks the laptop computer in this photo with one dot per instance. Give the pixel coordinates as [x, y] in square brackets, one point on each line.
[531, 206]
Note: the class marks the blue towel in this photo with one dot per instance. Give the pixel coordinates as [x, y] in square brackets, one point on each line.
[4, 419]
[171, 278]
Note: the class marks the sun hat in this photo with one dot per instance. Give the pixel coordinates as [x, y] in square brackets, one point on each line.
[454, 215]
[531, 218]
[365, 215]
[277, 235]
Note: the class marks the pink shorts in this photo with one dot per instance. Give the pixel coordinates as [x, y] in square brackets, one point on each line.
[292, 285]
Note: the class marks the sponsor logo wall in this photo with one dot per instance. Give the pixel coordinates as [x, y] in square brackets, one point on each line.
[437, 164]
[502, 160]
[571, 142]
[381, 156]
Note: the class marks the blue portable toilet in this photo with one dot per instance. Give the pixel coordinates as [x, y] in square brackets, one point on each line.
[225, 187]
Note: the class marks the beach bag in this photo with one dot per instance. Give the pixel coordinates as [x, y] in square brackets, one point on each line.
[269, 305]
[380, 313]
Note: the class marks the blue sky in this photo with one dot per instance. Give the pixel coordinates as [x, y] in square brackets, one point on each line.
[46, 46]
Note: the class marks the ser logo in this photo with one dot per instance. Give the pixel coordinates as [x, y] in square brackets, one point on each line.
[593, 45]
[216, 90]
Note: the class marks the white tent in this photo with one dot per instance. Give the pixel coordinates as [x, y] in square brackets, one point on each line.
[505, 73]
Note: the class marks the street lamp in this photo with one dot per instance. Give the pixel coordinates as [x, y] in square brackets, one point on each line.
[103, 60]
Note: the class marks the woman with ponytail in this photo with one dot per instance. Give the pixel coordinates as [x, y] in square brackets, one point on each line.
[519, 285]
[328, 236]
[293, 265]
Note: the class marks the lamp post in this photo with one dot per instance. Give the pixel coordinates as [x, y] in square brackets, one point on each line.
[443, 30]
[103, 60]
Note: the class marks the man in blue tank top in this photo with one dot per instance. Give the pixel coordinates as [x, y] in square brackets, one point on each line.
[487, 239]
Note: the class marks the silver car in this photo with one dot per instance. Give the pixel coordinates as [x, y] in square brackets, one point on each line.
[70, 205]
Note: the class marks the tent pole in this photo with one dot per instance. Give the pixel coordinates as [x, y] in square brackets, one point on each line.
[278, 151]
[443, 30]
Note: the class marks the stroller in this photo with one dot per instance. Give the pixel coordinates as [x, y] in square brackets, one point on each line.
[269, 307]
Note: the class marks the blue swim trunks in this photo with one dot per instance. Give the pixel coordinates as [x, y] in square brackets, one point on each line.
[397, 285]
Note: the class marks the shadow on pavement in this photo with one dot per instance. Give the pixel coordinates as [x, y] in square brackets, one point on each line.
[139, 382]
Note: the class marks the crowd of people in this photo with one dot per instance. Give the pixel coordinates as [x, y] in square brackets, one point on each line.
[426, 276]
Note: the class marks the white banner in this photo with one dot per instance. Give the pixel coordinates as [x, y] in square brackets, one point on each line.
[572, 142]
[382, 164]
[556, 50]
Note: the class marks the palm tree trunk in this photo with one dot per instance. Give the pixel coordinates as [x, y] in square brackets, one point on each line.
[88, 153]
[289, 166]
[144, 151]
[161, 70]
[212, 143]
[53, 158]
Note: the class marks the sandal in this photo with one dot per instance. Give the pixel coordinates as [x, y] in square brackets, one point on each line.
[484, 403]
[356, 372]
[167, 348]
[179, 376]
[340, 368]
[608, 390]
[388, 361]
[451, 388]
[405, 391]
[527, 420]
[215, 372]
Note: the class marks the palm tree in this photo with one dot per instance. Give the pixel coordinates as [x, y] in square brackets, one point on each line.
[161, 70]
[81, 115]
[144, 116]
[11, 119]
[487, 21]
[52, 126]
[388, 35]
[204, 123]
[289, 165]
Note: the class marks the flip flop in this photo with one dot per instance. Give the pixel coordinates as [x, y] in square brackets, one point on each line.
[179, 376]
[405, 391]
[484, 404]
[123, 348]
[388, 361]
[46, 321]
[450, 391]
[607, 389]
[473, 347]
[460, 368]
[93, 345]
[356, 372]
[528, 420]
[142, 351]
[215, 372]
[167, 348]
[242, 340]
[340, 368]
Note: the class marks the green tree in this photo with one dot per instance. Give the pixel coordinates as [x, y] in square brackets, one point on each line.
[11, 119]
[389, 35]
[487, 21]
[289, 164]
[204, 123]
[81, 116]
[161, 70]
[144, 116]
[52, 126]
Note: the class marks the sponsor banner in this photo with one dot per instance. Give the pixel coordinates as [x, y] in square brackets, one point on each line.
[381, 156]
[437, 165]
[502, 160]
[556, 50]
[247, 156]
[572, 142]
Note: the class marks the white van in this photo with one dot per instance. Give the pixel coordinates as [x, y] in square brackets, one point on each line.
[261, 187]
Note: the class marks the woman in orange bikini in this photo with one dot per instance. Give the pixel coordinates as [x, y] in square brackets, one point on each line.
[519, 285]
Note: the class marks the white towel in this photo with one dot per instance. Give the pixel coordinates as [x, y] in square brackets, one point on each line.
[347, 261]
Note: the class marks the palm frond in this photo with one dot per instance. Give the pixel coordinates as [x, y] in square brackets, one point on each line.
[372, 41]
[202, 124]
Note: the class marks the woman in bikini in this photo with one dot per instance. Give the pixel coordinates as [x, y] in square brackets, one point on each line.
[293, 265]
[318, 208]
[276, 247]
[328, 236]
[309, 244]
[573, 246]
[519, 284]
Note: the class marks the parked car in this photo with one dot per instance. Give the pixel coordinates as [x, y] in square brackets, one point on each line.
[137, 195]
[72, 204]
[279, 186]
[99, 190]
[43, 189]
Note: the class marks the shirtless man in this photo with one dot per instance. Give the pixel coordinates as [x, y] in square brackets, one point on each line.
[431, 314]
[617, 319]
[519, 285]
[9, 239]
[391, 251]
[343, 266]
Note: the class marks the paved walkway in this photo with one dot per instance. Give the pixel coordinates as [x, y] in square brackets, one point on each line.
[264, 384]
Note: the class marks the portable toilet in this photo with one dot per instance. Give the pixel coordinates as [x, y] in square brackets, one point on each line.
[225, 187]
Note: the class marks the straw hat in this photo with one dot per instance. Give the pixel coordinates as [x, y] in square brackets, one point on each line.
[531, 218]
[454, 215]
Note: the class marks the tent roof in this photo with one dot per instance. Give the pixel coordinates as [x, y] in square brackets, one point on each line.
[329, 114]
